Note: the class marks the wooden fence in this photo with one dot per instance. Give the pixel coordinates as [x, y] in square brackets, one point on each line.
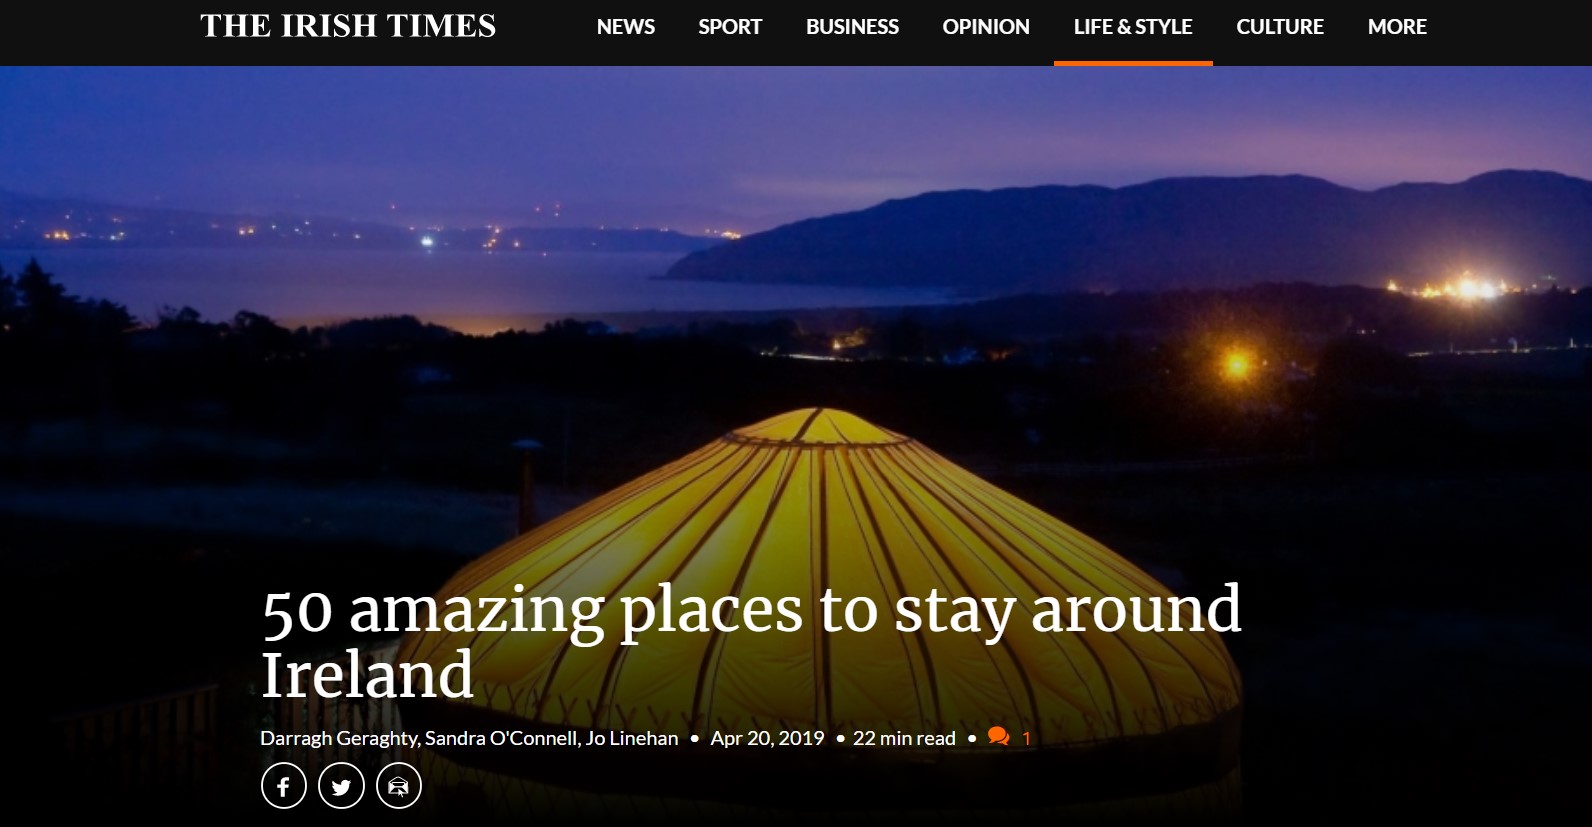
[171, 746]
[166, 744]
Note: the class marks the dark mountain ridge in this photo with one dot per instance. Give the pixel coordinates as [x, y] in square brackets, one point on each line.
[1182, 232]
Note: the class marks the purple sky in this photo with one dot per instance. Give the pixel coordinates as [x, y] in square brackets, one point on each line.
[745, 148]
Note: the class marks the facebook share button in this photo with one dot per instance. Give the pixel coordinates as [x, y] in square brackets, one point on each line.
[341, 785]
[283, 785]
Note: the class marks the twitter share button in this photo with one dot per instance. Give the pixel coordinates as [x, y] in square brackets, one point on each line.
[341, 785]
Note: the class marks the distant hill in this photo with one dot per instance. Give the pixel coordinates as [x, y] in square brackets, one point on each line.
[32, 222]
[1181, 232]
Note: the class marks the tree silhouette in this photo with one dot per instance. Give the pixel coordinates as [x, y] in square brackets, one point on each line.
[42, 298]
[40, 310]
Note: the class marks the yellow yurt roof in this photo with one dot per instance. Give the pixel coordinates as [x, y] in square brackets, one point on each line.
[808, 501]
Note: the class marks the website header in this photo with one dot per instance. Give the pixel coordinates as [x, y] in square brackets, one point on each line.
[712, 35]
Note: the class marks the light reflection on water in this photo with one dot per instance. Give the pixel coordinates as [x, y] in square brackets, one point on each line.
[474, 291]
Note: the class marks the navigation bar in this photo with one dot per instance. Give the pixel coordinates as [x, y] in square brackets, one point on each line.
[718, 34]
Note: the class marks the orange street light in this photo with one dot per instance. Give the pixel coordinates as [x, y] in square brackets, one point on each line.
[1237, 365]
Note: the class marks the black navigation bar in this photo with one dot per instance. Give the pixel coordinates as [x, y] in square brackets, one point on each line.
[726, 34]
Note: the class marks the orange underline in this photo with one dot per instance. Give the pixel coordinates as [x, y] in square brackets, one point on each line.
[1135, 63]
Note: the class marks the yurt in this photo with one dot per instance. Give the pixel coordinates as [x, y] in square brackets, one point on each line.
[809, 503]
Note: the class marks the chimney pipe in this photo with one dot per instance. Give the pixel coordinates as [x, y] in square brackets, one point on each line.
[527, 449]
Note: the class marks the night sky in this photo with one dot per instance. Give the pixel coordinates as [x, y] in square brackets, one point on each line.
[746, 148]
